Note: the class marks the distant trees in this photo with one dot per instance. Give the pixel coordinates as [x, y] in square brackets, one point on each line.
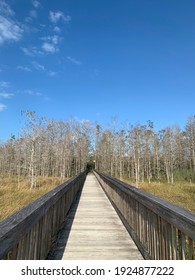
[190, 141]
[63, 149]
[140, 153]
[46, 148]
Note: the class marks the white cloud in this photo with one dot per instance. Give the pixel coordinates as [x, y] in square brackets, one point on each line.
[35, 93]
[48, 47]
[4, 84]
[2, 107]
[26, 51]
[38, 66]
[24, 68]
[56, 16]
[55, 39]
[36, 4]
[52, 73]
[50, 44]
[9, 30]
[32, 15]
[57, 29]
[73, 60]
[5, 9]
[31, 51]
[6, 95]
[32, 92]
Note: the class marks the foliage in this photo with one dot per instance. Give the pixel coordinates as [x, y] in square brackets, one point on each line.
[46, 148]
[63, 149]
[140, 153]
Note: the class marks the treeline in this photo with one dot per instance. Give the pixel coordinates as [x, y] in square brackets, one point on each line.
[139, 153]
[46, 148]
[63, 148]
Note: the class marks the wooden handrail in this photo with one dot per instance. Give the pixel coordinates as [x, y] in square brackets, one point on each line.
[30, 232]
[161, 230]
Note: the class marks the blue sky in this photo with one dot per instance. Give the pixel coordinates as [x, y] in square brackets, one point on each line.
[131, 59]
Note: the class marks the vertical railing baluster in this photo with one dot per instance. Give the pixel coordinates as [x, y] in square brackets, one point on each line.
[160, 229]
[30, 232]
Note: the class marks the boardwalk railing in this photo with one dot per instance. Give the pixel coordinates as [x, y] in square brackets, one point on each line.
[29, 233]
[160, 229]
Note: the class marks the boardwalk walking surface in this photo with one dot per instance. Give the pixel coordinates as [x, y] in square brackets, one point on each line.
[93, 230]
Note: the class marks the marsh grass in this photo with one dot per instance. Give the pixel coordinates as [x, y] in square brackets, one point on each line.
[181, 193]
[15, 194]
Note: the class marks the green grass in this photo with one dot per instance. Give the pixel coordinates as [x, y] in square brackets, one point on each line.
[13, 197]
[181, 193]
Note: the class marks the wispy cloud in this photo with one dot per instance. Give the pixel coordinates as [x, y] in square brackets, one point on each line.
[57, 16]
[6, 95]
[32, 15]
[10, 29]
[57, 29]
[52, 73]
[5, 9]
[4, 84]
[23, 68]
[48, 47]
[33, 92]
[50, 44]
[38, 66]
[3, 107]
[36, 4]
[27, 51]
[55, 39]
[31, 51]
[73, 60]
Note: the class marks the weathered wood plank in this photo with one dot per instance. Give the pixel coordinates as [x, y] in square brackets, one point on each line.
[94, 231]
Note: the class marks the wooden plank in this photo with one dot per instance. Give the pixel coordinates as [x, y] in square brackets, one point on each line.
[94, 231]
[191, 246]
[174, 243]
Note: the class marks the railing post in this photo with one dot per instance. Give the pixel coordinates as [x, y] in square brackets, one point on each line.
[29, 233]
[160, 229]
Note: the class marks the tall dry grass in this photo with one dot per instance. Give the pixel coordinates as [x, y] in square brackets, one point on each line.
[15, 194]
[181, 193]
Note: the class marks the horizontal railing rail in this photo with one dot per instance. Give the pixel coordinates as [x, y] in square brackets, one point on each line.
[160, 229]
[30, 232]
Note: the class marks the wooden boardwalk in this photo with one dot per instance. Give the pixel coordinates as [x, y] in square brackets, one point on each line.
[93, 230]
